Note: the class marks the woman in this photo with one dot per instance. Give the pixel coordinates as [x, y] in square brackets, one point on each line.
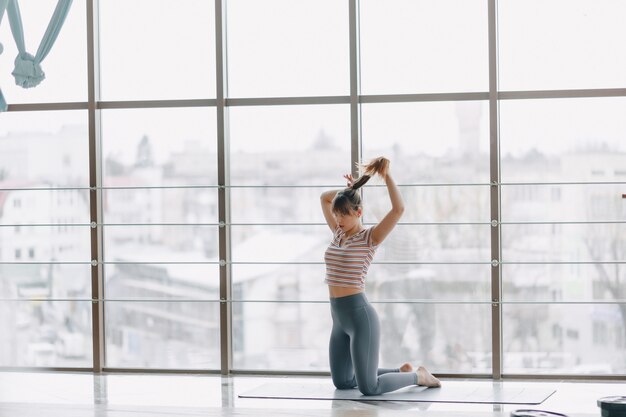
[355, 336]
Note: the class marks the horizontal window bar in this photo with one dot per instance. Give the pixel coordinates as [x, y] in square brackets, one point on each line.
[565, 183]
[587, 93]
[562, 262]
[428, 97]
[47, 106]
[325, 186]
[311, 263]
[151, 104]
[286, 101]
[571, 222]
[365, 99]
[399, 301]
[485, 223]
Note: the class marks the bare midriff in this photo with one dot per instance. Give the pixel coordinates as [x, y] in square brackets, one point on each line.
[338, 292]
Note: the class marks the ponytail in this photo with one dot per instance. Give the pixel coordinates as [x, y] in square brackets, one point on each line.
[350, 198]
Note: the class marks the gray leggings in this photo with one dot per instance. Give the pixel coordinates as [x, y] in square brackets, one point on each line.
[354, 343]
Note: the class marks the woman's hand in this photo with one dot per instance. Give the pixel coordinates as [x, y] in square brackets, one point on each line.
[350, 180]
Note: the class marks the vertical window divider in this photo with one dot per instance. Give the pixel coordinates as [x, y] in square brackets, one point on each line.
[355, 87]
[95, 184]
[223, 177]
[494, 168]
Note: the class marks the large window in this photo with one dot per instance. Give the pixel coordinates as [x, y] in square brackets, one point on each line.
[186, 183]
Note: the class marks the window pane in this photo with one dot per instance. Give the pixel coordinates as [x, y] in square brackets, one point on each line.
[162, 281]
[161, 243]
[44, 149]
[595, 202]
[155, 147]
[429, 204]
[277, 282]
[561, 44]
[437, 243]
[288, 48]
[424, 46]
[279, 204]
[445, 282]
[564, 339]
[162, 335]
[158, 205]
[564, 282]
[564, 242]
[568, 140]
[294, 336]
[45, 333]
[150, 50]
[277, 243]
[59, 243]
[281, 145]
[65, 66]
[442, 142]
[44, 281]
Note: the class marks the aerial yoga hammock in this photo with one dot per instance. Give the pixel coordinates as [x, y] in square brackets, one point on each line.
[28, 72]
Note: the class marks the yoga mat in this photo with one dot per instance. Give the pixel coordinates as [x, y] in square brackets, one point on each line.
[450, 392]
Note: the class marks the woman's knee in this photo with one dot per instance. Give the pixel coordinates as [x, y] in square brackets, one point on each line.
[368, 391]
[344, 384]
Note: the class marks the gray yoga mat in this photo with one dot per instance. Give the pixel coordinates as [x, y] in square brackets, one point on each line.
[450, 392]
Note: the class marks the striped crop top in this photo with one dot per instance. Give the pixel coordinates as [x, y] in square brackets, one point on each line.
[347, 265]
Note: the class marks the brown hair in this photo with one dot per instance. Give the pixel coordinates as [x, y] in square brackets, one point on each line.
[349, 199]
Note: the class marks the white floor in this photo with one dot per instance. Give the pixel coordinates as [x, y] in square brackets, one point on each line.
[116, 395]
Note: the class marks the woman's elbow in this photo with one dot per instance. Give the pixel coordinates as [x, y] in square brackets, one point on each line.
[398, 211]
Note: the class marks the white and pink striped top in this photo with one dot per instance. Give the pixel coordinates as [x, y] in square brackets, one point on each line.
[347, 265]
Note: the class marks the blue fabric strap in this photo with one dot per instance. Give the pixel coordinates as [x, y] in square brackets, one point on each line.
[3, 6]
[28, 72]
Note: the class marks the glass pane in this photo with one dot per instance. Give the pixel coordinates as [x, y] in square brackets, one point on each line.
[426, 46]
[288, 48]
[161, 243]
[281, 145]
[568, 140]
[162, 281]
[157, 147]
[564, 339]
[65, 66]
[150, 50]
[43, 281]
[429, 204]
[172, 335]
[279, 282]
[429, 282]
[437, 243]
[441, 142]
[64, 206]
[564, 282]
[60, 243]
[45, 333]
[564, 242]
[159, 205]
[276, 243]
[295, 336]
[572, 44]
[278, 205]
[596, 202]
[44, 149]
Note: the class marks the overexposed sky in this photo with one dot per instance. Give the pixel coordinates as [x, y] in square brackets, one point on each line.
[152, 50]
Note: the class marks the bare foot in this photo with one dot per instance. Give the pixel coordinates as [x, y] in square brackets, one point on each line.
[426, 379]
[407, 367]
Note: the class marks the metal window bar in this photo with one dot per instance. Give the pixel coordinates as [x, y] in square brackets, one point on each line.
[298, 186]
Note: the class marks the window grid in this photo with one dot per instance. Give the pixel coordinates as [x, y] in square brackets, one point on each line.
[222, 103]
